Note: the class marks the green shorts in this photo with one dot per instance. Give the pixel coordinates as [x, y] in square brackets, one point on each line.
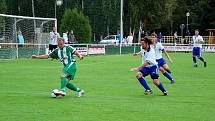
[70, 70]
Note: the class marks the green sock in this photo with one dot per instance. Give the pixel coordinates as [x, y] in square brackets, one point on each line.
[72, 87]
[63, 83]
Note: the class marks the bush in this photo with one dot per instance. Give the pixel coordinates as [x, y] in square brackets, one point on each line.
[76, 21]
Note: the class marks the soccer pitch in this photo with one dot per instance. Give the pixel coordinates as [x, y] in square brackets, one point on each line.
[112, 91]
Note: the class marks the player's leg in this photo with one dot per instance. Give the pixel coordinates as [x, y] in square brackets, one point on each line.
[63, 83]
[140, 76]
[165, 73]
[194, 57]
[71, 75]
[154, 76]
[200, 57]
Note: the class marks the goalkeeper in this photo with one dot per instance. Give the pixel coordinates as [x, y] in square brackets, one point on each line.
[65, 54]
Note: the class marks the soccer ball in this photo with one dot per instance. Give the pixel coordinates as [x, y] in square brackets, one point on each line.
[55, 93]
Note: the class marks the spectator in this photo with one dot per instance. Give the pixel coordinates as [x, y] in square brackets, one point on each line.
[53, 39]
[160, 36]
[65, 37]
[130, 39]
[175, 37]
[71, 37]
[21, 39]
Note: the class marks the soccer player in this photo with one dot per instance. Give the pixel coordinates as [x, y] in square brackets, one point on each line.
[163, 67]
[148, 67]
[197, 45]
[66, 55]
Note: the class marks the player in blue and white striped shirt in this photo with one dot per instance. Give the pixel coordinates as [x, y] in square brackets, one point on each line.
[197, 45]
[148, 67]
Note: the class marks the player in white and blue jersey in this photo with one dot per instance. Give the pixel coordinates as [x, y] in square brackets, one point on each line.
[162, 65]
[148, 67]
[197, 45]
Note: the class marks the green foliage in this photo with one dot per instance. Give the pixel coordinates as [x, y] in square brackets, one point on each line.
[76, 21]
[112, 91]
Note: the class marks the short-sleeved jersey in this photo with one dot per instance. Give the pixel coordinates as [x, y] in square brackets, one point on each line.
[53, 38]
[65, 55]
[148, 56]
[158, 50]
[197, 41]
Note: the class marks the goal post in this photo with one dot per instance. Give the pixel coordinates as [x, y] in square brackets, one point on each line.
[21, 31]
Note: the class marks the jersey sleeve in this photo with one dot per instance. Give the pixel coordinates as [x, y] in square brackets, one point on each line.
[201, 39]
[54, 54]
[71, 49]
[160, 46]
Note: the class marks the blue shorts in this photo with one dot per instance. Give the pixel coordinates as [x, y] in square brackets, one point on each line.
[197, 51]
[150, 70]
[161, 62]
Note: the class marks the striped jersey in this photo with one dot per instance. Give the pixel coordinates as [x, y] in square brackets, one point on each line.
[65, 54]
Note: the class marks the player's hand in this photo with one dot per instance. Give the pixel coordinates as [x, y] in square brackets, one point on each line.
[135, 54]
[134, 69]
[81, 57]
[33, 56]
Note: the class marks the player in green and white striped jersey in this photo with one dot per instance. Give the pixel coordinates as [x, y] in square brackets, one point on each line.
[65, 54]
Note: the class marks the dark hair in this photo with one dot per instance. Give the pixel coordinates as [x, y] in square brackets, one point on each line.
[146, 40]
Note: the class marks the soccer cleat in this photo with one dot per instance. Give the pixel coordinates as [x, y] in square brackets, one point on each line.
[62, 93]
[148, 92]
[205, 64]
[165, 93]
[80, 93]
[172, 82]
[195, 65]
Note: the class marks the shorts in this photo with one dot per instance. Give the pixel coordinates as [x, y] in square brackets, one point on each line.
[52, 47]
[70, 70]
[152, 71]
[161, 62]
[196, 51]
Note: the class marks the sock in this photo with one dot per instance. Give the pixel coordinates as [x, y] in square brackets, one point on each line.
[194, 60]
[72, 87]
[160, 86]
[202, 59]
[63, 83]
[168, 76]
[168, 71]
[143, 83]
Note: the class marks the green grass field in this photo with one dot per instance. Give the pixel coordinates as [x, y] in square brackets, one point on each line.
[112, 91]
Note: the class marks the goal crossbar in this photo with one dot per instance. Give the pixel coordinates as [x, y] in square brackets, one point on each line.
[27, 17]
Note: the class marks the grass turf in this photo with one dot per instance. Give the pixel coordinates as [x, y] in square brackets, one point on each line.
[112, 91]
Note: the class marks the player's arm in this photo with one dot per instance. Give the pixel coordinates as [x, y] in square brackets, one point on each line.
[167, 55]
[139, 67]
[40, 56]
[135, 54]
[78, 54]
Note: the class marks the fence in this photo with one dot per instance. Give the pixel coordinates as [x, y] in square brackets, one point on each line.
[15, 50]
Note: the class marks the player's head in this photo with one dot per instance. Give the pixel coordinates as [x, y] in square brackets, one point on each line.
[145, 42]
[54, 29]
[196, 32]
[154, 37]
[60, 42]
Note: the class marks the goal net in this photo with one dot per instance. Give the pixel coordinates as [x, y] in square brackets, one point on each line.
[22, 36]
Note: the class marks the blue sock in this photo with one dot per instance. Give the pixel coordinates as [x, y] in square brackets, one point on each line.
[168, 76]
[143, 83]
[160, 86]
[202, 59]
[194, 60]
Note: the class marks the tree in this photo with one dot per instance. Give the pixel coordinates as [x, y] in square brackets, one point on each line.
[76, 21]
